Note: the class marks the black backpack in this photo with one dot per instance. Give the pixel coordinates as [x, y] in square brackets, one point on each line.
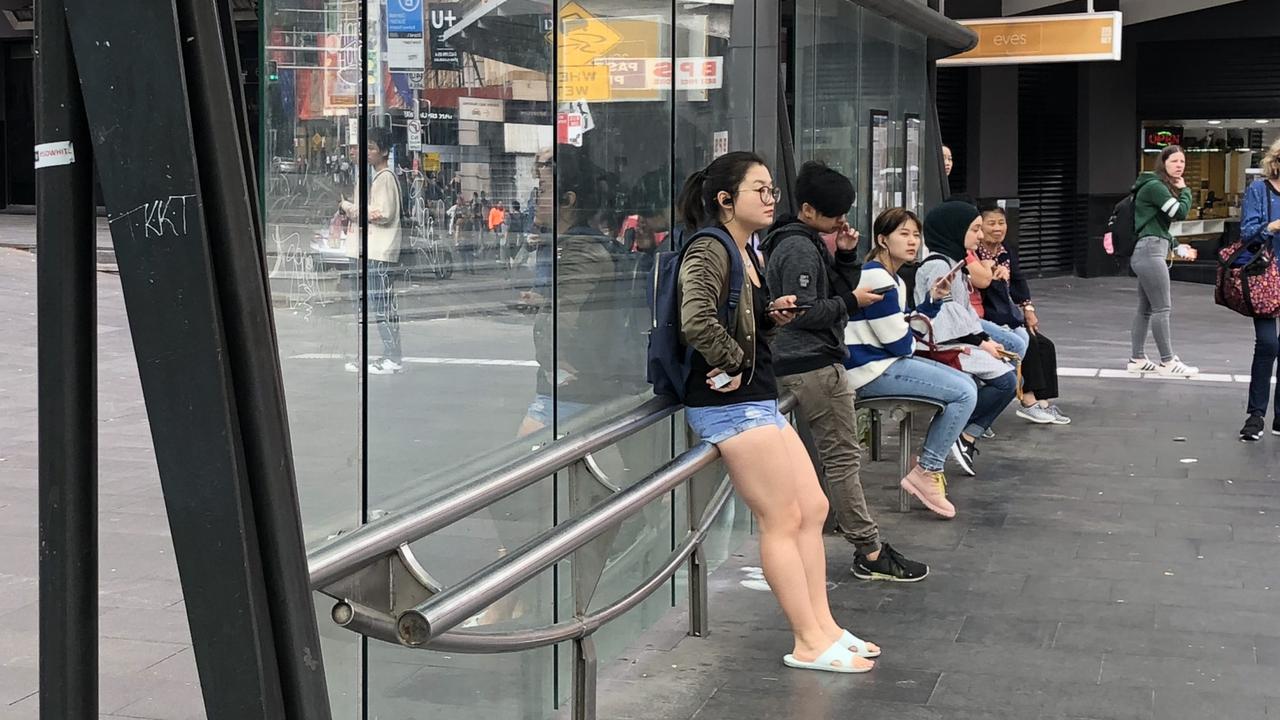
[1120, 228]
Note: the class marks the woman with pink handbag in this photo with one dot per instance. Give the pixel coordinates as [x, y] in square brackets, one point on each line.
[1261, 222]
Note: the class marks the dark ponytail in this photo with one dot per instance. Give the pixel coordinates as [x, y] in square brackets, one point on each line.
[698, 207]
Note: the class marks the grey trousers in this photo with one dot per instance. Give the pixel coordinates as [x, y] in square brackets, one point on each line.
[825, 400]
[1150, 262]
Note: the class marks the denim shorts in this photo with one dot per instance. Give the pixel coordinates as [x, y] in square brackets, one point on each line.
[540, 409]
[719, 423]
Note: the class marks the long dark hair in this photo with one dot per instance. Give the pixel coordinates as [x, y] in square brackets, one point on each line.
[1163, 173]
[697, 206]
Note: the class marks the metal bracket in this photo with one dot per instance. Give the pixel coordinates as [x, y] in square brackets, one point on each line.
[390, 585]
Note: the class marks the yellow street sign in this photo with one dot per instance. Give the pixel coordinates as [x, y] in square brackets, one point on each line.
[583, 36]
[588, 82]
[431, 162]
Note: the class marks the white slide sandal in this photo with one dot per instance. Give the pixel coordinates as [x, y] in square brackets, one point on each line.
[858, 645]
[837, 659]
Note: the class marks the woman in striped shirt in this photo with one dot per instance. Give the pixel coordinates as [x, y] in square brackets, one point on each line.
[881, 362]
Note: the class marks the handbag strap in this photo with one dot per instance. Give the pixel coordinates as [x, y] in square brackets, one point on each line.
[927, 336]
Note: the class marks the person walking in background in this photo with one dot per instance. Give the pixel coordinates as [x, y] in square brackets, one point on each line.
[383, 217]
[882, 360]
[497, 217]
[1161, 197]
[1261, 224]
[731, 401]
[809, 354]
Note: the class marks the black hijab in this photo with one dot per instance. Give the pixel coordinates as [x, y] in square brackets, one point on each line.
[945, 227]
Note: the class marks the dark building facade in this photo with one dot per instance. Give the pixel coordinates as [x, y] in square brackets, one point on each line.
[1061, 143]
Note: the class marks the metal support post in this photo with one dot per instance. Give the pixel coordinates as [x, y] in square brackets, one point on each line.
[699, 606]
[585, 669]
[873, 417]
[153, 79]
[67, 384]
[904, 458]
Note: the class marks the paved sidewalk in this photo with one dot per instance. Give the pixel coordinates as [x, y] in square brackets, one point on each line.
[1091, 573]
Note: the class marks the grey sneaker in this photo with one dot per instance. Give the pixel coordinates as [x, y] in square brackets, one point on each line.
[1036, 414]
[989, 434]
[1058, 417]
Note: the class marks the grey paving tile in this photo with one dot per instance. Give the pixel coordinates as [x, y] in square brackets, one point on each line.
[961, 690]
[1238, 622]
[1046, 586]
[1007, 632]
[1267, 650]
[1203, 674]
[1197, 704]
[1210, 647]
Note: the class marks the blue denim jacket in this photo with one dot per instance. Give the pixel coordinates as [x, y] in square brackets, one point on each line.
[1261, 207]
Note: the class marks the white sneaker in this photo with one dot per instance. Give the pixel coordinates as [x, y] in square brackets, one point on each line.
[1035, 414]
[352, 367]
[384, 366]
[1140, 366]
[1176, 368]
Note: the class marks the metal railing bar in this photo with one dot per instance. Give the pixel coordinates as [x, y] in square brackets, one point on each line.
[446, 610]
[349, 553]
[382, 626]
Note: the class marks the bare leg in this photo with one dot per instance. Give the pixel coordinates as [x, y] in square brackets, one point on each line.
[813, 552]
[760, 466]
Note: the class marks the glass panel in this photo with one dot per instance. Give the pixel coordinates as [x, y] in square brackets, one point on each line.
[876, 87]
[913, 95]
[307, 159]
[459, 286]
[612, 212]
[710, 122]
[828, 111]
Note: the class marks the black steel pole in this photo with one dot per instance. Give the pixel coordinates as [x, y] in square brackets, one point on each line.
[68, 434]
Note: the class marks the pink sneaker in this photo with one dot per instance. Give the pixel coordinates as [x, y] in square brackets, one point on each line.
[930, 488]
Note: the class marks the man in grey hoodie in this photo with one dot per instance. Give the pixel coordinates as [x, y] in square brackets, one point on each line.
[809, 353]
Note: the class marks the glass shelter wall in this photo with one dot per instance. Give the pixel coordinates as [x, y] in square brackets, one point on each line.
[861, 94]
[462, 202]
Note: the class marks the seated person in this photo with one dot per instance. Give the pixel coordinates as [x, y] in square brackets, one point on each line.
[882, 362]
[953, 229]
[1007, 304]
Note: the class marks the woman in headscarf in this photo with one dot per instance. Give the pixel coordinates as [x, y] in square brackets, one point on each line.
[953, 230]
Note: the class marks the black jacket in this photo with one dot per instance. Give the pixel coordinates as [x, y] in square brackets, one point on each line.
[798, 263]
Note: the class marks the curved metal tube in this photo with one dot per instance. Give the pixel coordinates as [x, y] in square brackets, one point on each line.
[382, 626]
[446, 610]
[354, 550]
[416, 569]
[594, 469]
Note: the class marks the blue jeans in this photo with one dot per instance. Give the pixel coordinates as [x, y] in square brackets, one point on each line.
[993, 397]
[917, 377]
[1013, 340]
[1266, 347]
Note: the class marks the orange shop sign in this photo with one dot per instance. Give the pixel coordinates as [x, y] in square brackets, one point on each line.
[1043, 39]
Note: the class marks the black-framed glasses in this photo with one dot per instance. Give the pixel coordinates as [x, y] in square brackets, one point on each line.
[769, 194]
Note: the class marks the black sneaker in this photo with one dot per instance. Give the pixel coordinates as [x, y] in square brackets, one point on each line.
[891, 566]
[964, 452]
[1275, 426]
[1252, 430]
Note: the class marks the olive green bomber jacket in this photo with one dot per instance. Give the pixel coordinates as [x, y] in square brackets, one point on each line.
[704, 288]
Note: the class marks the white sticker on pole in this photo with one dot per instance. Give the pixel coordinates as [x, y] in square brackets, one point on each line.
[54, 154]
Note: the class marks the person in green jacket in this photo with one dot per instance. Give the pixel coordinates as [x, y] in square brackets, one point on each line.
[1161, 197]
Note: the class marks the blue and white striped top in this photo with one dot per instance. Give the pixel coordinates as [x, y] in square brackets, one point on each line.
[878, 335]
